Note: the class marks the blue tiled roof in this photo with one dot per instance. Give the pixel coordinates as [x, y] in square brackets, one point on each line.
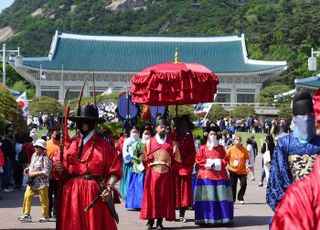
[86, 53]
[311, 82]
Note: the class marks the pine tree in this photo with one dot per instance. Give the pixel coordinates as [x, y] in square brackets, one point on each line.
[10, 110]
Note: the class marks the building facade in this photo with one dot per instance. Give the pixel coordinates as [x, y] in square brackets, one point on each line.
[114, 59]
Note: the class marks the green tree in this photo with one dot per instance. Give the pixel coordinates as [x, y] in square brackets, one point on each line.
[182, 109]
[10, 110]
[3, 124]
[31, 92]
[45, 104]
[266, 95]
[20, 86]
[243, 111]
[216, 112]
[285, 111]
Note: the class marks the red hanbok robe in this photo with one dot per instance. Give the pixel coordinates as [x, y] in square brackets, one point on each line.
[78, 192]
[217, 152]
[159, 186]
[300, 207]
[184, 176]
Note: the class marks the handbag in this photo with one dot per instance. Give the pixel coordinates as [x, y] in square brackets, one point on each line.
[30, 181]
[267, 156]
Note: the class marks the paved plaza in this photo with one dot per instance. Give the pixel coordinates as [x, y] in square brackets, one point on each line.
[254, 214]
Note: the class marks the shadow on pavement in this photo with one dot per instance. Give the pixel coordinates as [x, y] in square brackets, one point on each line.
[9, 200]
[242, 221]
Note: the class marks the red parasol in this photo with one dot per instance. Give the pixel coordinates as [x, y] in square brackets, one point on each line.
[316, 105]
[174, 84]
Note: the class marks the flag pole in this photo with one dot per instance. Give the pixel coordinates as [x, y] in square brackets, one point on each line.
[62, 85]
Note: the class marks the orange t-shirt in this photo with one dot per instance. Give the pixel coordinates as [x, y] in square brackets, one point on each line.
[52, 148]
[237, 157]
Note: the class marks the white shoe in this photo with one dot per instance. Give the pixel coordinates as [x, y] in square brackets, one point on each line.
[8, 190]
[241, 201]
[25, 218]
[43, 219]
[183, 220]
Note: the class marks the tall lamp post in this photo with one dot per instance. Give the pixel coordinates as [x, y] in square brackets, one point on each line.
[4, 60]
[312, 61]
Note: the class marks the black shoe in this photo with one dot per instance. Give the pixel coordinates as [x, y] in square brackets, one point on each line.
[159, 227]
[150, 224]
[159, 224]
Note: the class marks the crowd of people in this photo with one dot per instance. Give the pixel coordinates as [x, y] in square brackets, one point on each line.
[161, 169]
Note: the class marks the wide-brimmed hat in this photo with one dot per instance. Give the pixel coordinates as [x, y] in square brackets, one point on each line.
[88, 112]
[40, 143]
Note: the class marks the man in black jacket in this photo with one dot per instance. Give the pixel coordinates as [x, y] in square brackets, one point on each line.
[7, 148]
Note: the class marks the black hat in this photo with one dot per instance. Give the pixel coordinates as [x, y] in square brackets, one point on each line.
[88, 112]
[212, 126]
[187, 119]
[302, 103]
[160, 121]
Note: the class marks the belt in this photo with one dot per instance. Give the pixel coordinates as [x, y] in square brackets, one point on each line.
[159, 163]
[86, 177]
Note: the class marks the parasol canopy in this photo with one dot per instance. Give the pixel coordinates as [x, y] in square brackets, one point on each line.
[174, 84]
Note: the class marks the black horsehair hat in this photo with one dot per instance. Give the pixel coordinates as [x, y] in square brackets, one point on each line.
[88, 112]
[302, 103]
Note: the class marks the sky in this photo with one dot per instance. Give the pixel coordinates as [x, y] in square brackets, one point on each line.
[5, 3]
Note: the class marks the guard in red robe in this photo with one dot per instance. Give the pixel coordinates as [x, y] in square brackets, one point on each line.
[300, 206]
[187, 151]
[88, 163]
[160, 157]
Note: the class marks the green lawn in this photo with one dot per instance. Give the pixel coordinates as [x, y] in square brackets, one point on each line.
[259, 138]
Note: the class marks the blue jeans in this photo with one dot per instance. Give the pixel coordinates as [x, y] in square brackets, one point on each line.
[7, 173]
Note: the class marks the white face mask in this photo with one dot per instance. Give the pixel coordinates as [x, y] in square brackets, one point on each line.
[212, 140]
[145, 137]
[134, 136]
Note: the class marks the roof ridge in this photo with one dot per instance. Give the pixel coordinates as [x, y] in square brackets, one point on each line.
[152, 38]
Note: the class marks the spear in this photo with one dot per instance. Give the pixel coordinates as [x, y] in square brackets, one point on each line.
[79, 99]
[64, 135]
[64, 125]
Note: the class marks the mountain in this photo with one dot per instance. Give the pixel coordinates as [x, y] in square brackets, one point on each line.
[274, 29]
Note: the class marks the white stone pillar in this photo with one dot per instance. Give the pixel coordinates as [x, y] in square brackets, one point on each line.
[233, 98]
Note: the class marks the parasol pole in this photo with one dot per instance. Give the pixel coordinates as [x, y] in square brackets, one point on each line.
[176, 56]
[176, 61]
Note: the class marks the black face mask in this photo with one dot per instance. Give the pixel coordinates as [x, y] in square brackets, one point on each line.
[91, 126]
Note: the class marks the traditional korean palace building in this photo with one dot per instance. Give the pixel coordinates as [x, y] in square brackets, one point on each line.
[114, 59]
[310, 83]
